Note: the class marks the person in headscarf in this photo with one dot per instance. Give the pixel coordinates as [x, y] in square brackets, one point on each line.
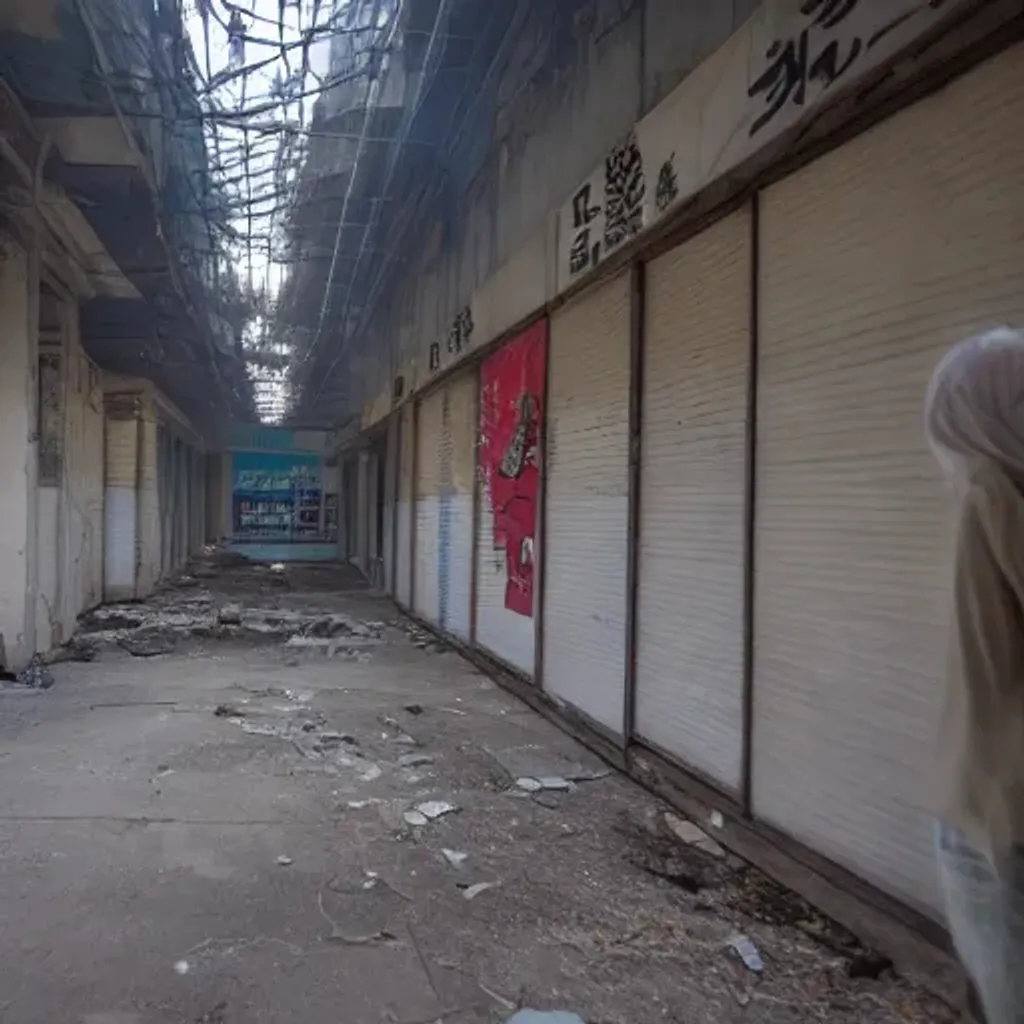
[975, 424]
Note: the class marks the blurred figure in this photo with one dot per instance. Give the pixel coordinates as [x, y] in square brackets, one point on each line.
[975, 424]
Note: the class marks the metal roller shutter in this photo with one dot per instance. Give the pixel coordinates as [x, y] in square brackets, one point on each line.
[429, 470]
[689, 671]
[362, 558]
[403, 559]
[457, 501]
[390, 470]
[874, 260]
[586, 493]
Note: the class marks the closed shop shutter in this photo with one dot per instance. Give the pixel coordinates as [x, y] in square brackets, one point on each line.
[429, 442]
[403, 558]
[362, 558]
[874, 260]
[119, 533]
[689, 671]
[510, 400]
[457, 501]
[390, 470]
[586, 494]
[444, 504]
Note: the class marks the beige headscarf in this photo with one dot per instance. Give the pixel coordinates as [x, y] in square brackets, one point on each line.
[975, 405]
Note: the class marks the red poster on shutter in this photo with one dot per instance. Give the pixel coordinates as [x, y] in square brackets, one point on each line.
[511, 393]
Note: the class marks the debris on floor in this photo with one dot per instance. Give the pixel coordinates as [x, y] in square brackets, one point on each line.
[472, 891]
[478, 866]
[35, 675]
[436, 809]
[692, 834]
[545, 1017]
[745, 949]
[535, 763]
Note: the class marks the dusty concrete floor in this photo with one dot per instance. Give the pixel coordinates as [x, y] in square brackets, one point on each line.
[163, 863]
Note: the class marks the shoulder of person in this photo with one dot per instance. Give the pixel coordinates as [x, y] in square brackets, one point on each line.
[994, 502]
[988, 480]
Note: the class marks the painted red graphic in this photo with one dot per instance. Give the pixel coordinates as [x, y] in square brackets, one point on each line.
[511, 393]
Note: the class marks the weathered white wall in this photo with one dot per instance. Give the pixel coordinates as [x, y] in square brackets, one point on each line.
[17, 459]
[81, 500]
[48, 591]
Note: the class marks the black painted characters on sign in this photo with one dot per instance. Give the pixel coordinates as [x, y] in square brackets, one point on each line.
[667, 190]
[794, 62]
[624, 190]
[460, 331]
[583, 254]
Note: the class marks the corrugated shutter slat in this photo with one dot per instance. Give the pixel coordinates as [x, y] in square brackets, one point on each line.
[875, 260]
[690, 570]
[587, 487]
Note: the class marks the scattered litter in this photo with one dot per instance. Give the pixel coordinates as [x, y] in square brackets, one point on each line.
[372, 773]
[331, 643]
[277, 567]
[529, 785]
[534, 762]
[406, 740]
[259, 729]
[415, 760]
[371, 880]
[717, 820]
[76, 649]
[455, 858]
[373, 939]
[148, 643]
[181, 967]
[414, 709]
[359, 805]
[473, 891]
[228, 711]
[545, 1017]
[415, 818]
[747, 952]
[334, 739]
[230, 615]
[285, 861]
[454, 711]
[436, 809]
[692, 835]
[556, 782]
[35, 674]
[500, 1000]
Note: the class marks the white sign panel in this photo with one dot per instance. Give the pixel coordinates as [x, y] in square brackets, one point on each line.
[765, 79]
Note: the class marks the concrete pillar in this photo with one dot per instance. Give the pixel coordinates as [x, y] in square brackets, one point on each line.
[18, 458]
